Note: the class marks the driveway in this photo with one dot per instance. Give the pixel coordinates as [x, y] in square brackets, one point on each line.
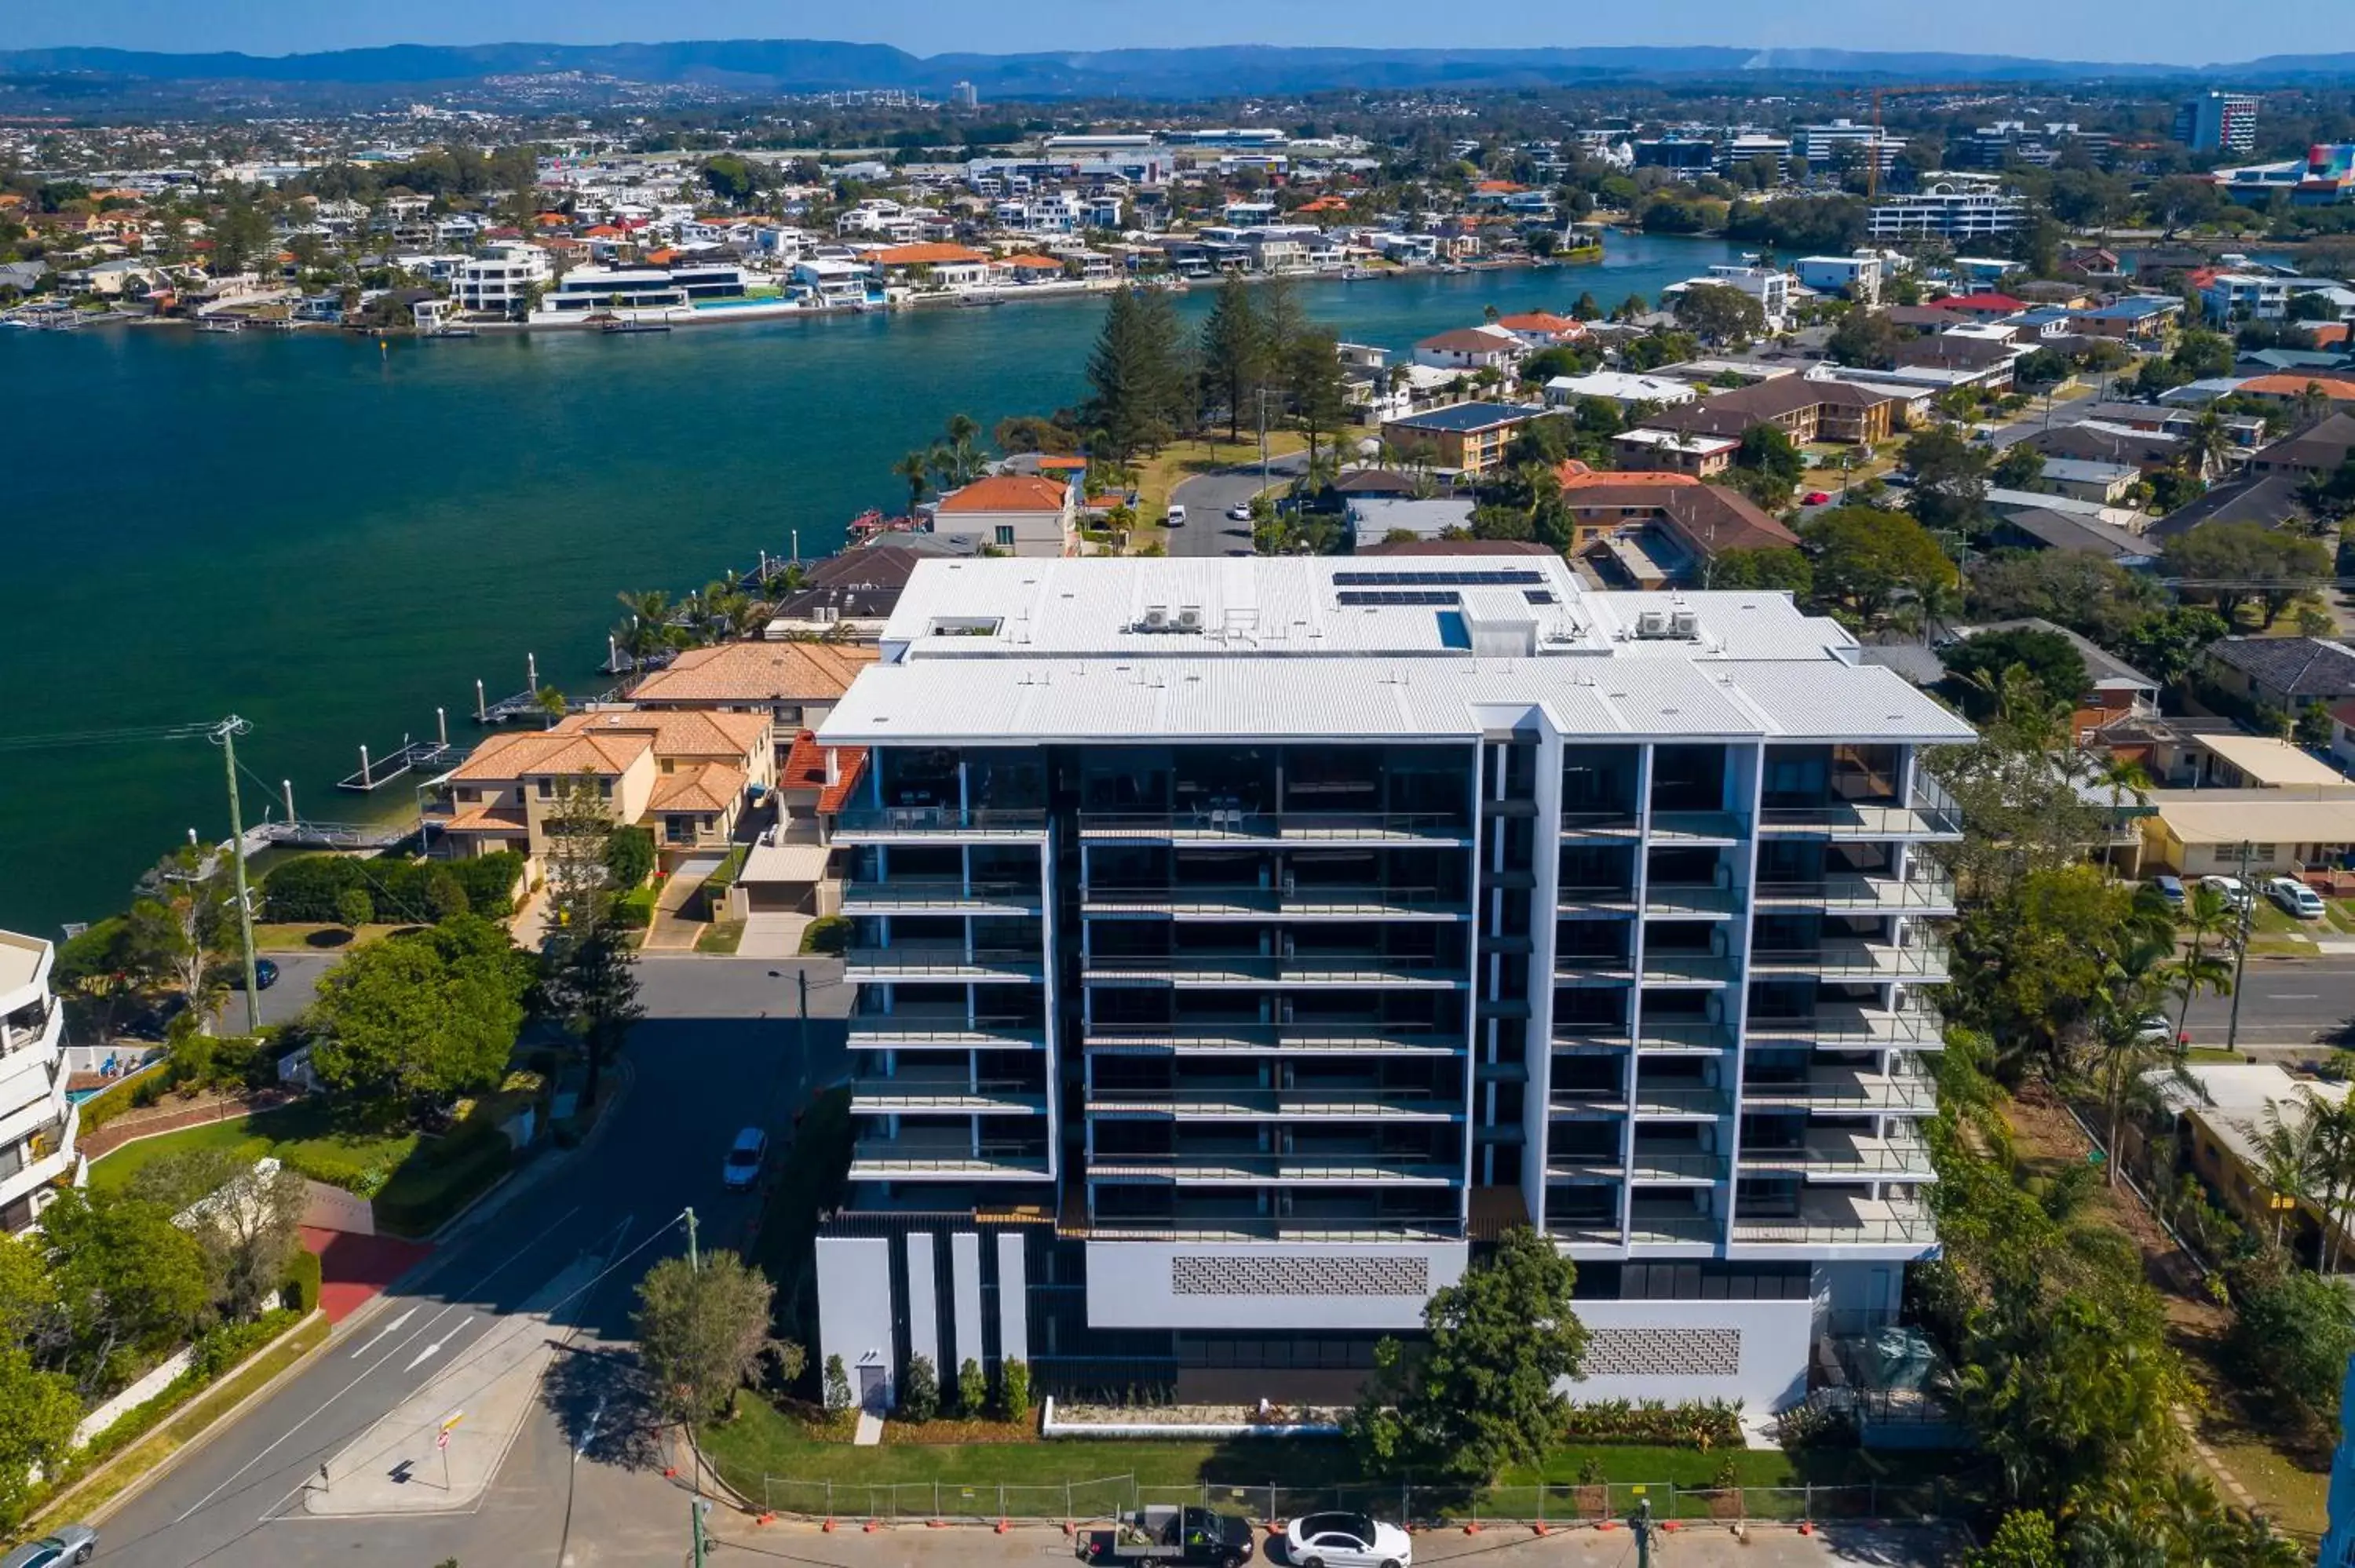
[1206, 496]
[771, 936]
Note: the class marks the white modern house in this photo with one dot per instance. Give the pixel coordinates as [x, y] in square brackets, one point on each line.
[1856, 277]
[1622, 387]
[1244, 945]
[37, 1122]
[1948, 211]
[500, 279]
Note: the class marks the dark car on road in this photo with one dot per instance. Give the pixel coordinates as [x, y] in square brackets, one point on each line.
[1195, 1537]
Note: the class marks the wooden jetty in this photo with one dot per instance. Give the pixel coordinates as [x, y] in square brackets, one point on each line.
[378, 771]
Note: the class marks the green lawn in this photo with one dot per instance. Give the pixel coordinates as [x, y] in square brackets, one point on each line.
[290, 1132]
[764, 1441]
[720, 937]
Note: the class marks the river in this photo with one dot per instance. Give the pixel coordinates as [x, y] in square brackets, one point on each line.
[331, 538]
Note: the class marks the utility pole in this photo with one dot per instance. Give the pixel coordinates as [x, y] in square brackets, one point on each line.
[224, 735]
[2241, 960]
[694, 1262]
[1640, 1523]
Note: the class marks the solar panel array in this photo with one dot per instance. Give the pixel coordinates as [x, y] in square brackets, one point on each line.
[1396, 596]
[1492, 578]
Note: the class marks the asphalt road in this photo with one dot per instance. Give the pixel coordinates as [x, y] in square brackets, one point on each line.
[1205, 497]
[2304, 1005]
[720, 1048]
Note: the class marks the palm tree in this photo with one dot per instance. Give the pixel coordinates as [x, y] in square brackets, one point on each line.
[963, 449]
[916, 468]
[2191, 974]
[2122, 777]
[2205, 914]
[551, 703]
[2286, 1163]
[2209, 445]
[2124, 1045]
[648, 627]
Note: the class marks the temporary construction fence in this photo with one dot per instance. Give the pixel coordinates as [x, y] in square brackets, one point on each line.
[1079, 1502]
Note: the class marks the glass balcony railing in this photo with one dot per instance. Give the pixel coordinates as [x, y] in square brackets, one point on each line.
[1860, 1028]
[1244, 900]
[881, 1158]
[1320, 1104]
[1842, 1090]
[1833, 1220]
[941, 963]
[917, 1091]
[908, 1030]
[1923, 961]
[926, 821]
[1675, 968]
[1607, 823]
[1916, 895]
[1845, 1154]
[1371, 1037]
[1862, 820]
[1243, 969]
[1674, 900]
[1698, 827]
[899, 894]
[1275, 1170]
[1239, 823]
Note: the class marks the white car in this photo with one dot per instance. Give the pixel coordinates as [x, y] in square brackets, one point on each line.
[1345, 1541]
[2236, 897]
[2154, 1026]
[2295, 897]
[745, 1157]
[1176, 518]
[1239, 513]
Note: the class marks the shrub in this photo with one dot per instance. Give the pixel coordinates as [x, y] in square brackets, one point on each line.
[635, 910]
[972, 1389]
[838, 1384]
[120, 1096]
[629, 856]
[441, 1179]
[302, 1286]
[828, 934]
[354, 906]
[1703, 1424]
[919, 1390]
[444, 895]
[1015, 1389]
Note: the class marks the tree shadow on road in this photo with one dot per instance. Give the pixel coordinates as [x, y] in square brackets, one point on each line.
[600, 1398]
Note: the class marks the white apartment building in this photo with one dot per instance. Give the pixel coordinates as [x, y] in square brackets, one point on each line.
[1770, 286]
[1856, 277]
[1823, 144]
[37, 1123]
[501, 279]
[1244, 944]
[1945, 211]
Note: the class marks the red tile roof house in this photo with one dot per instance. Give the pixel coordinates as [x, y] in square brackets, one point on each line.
[1543, 328]
[1012, 515]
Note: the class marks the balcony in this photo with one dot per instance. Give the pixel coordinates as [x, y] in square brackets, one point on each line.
[1859, 1028]
[1681, 1101]
[914, 1157]
[1574, 902]
[1844, 1090]
[1365, 1039]
[1622, 825]
[906, 897]
[1690, 901]
[1927, 823]
[920, 963]
[1688, 971]
[1235, 825]
[917, 1091]
[1828, 1155]
[1321, 1104]
[1677, 1164]
[1917, 894]
[1719, 828]
[1594, 969]
[1682, 1230]
[1213, 1170]
[26, 1029]
[908, 1031]
[1920, 963]
[1295, 903]
[1840, 1219]
[938, 824]
[1667, 1039]
[1249, 969]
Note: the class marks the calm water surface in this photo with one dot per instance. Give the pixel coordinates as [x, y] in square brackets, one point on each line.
[331, 538]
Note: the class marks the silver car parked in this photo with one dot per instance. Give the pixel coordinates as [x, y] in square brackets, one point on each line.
[71, 1543]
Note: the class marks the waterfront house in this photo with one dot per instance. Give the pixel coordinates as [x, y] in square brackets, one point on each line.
[1012, 515]
[930, 266]
[794, 684]
[38, 1123]
[501, 280]
[686, 776]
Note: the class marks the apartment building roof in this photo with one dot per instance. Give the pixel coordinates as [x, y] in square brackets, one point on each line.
[2299, 667]
[1731, 413]
[1706, 518]
[1122, 649]
[1468, 418]
[759, 672]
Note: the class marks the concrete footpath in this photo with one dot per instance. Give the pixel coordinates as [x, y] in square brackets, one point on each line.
[439, 1449]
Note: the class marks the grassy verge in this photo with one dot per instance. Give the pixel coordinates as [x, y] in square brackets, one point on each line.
[2280, 935]
[297, 936]
[762, 1440]
[720, 937]
[180, 1430]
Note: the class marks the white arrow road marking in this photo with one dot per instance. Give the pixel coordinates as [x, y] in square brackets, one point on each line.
[388, 1330]
[425, 1355]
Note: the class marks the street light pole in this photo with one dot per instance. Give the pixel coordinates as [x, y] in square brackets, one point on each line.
[224, 733]
[2241, 960]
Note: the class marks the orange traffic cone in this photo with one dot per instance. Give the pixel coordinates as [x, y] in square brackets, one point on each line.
[829, 1524]
[1001, 1527]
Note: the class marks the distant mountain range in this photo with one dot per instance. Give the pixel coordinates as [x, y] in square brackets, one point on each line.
[806, 65]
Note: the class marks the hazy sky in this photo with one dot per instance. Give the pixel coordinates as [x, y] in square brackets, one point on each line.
[2177, 31]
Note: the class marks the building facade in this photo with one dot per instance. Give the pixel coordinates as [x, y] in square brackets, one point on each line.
[1243, 944]
[1946, 212]
[38, 1124]
[2218, 122]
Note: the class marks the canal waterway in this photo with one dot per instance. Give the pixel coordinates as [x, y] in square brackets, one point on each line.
[333, 537]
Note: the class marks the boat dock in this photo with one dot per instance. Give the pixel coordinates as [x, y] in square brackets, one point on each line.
[378, 771]
[524, 703]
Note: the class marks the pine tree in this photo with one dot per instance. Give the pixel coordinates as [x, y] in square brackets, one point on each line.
[1136, 374]
[1234, 353]
[1314, 382]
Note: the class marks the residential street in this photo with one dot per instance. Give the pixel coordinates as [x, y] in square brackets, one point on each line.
[1208, 531]
[2287, 1002]
[720, 1048]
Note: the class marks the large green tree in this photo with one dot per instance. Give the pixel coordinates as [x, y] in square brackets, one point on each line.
[1233, 354]
[408, 1023]
[1137, 378]
[703, 1332]
[38, 1411]
[130, 1285]
[1483, 1392]
[1950, 479]
[1974, 664]
[1721, 314]
[1868, 561]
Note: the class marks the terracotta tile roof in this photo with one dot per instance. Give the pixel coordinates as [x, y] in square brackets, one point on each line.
[1007, 492]
[711, 786]
[757, 672]
[1035, 262]
[486, 820]
[1575, 475]
[2291, 385]
[706, 733]
[1542, 321]
[851, 762]
[804, 765]
[550, 751]
[927, 255]
[1706, 517]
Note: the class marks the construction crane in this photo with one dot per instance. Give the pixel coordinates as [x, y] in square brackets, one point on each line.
[1908, 90]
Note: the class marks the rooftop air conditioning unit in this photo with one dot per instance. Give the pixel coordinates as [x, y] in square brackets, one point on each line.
[1652, 623]
[1156, 617]
[1189, 617]
[1685, 623]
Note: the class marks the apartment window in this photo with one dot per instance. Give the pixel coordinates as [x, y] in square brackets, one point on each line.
[789, 713]
[679, 830]
[669, 765]
[2262, 854]
[604, 789]
[1006, 535]
[547, 789]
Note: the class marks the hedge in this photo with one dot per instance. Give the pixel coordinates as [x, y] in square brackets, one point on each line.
[313, 887]
[428, 1190]
[828, 934]
[140, 1089]
[635, 910]
[302, 1281]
